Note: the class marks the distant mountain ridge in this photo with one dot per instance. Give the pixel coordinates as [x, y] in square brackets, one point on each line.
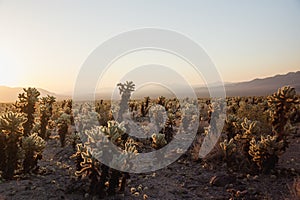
[258, 86]
[255, 87]
[10, 94]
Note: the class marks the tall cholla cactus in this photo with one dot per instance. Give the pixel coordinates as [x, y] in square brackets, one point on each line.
[33, 147]
[11, 131]
[125, 90]
[46, 109]
[26, 104]
[281, 103]
[62, 127]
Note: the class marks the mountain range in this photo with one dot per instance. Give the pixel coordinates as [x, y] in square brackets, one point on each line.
[258, 86]
[255, 87]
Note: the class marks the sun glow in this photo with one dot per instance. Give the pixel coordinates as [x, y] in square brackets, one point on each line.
[10, 74]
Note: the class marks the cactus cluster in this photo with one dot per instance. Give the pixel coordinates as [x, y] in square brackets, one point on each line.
[281, 104]
[17, 151]
[94, 149]
[255, 145]
[265, 152]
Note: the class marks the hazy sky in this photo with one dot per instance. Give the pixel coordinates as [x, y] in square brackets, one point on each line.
[44, 43]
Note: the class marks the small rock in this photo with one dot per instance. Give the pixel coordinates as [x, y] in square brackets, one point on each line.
[86, 195]
[140, 188]
[221, 180]
[145, 196]
[132, 190]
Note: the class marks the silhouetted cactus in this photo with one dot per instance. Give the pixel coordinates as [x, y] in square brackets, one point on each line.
[11, 132]
[26, 105]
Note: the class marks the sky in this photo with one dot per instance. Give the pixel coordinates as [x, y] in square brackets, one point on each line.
[45, 43]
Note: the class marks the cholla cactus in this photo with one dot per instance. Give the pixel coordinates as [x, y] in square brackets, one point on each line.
[99, 138]
[125, 90]
[190, 117]
[26, 105]
[121, 162]
[62, 127]
[250, 130]
[145, 106]
[266, 151]
[114, 131]
[33, 147]
[89, 167]
[158, 117]
[86, 121]
[11, 131]
[161, 100]
[228, 148]
[281, 103]
[46, 109]
[230, 126]
[104, 111]
[158, 140]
